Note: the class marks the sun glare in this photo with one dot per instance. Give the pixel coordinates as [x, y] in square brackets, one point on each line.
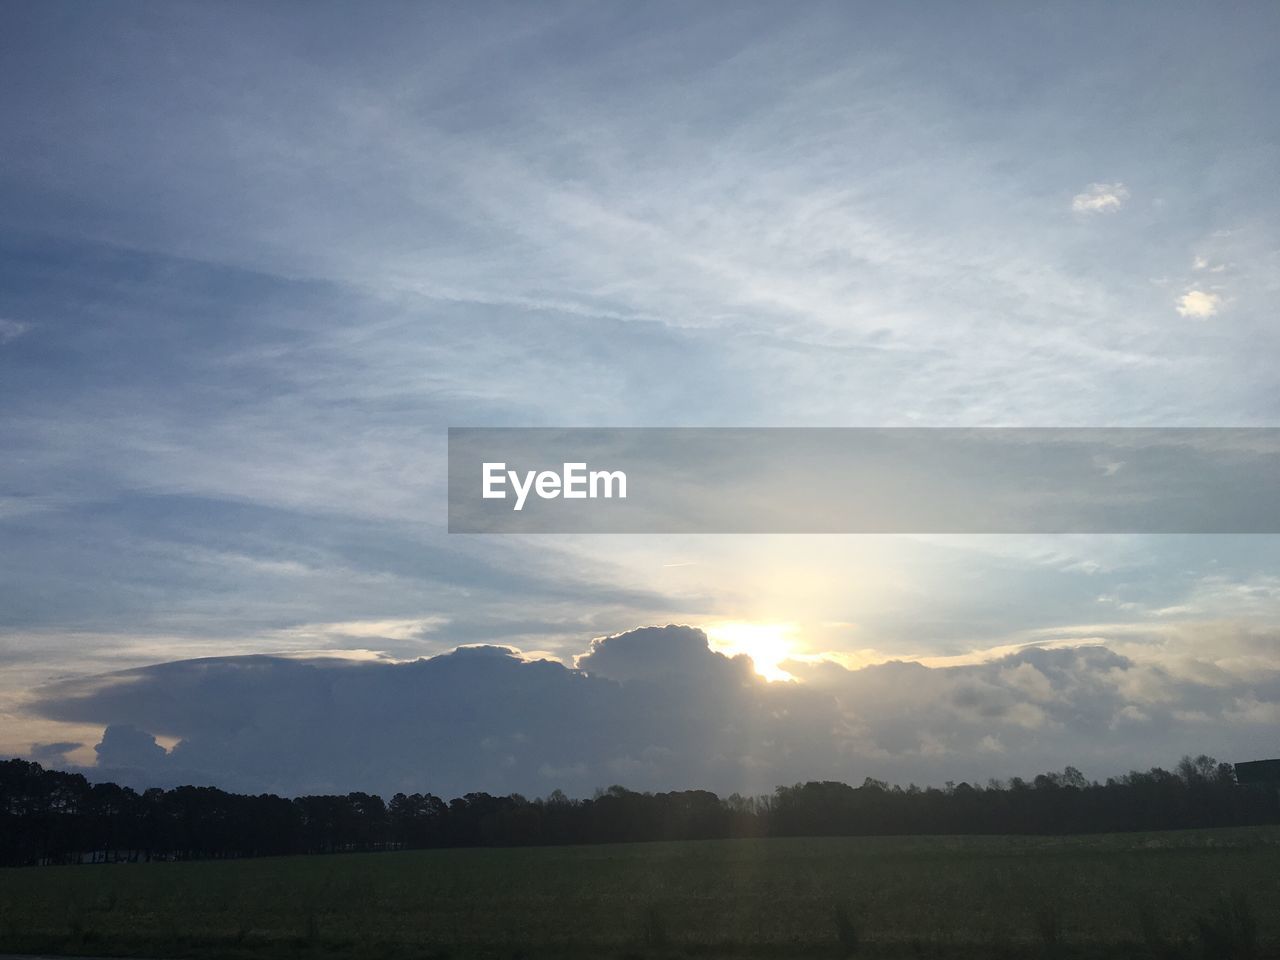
[767, 644]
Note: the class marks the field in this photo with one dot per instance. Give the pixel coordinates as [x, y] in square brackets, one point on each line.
[1213, 893]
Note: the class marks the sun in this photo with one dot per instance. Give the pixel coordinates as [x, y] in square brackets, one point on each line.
[767, 644]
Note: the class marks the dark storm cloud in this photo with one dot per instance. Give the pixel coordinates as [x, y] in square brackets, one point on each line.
[652, 708]
[124, 745]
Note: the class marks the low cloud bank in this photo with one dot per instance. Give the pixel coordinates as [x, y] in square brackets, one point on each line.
[653, 708]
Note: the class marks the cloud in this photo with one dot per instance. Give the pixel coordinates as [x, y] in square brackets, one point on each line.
[11, 329]
[1100, 198]
[124, 745]
[1198, 303]
[413, 628]
[1029, 680]
[653, 708]
[653, 653]
[1254, 711]
[223, 277]
[54, 754]
[1203, 263]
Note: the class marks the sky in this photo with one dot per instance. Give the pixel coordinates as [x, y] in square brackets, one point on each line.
[256, 259]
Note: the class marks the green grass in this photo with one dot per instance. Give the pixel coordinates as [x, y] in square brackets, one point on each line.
[1213, 893]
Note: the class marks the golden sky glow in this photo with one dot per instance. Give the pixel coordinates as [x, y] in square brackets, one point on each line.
[767, 644]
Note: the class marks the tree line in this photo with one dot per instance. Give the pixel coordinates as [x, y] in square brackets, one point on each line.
[52, 817]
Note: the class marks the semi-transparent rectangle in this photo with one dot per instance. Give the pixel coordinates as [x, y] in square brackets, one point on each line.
[874, 480]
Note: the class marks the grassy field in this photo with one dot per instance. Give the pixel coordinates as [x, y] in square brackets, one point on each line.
[1192, 894]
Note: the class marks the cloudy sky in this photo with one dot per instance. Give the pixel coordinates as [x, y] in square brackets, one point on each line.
[256, 260]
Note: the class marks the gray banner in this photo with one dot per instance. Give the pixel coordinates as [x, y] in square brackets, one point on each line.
[864, 480]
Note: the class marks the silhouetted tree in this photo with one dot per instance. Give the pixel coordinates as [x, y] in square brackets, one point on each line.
[51, 817]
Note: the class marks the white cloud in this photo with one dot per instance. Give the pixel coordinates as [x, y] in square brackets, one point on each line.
[1203, 263]
[1133, 715]
[413, 628]
[1100, 198]
[11, 329]
[1199, 303]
